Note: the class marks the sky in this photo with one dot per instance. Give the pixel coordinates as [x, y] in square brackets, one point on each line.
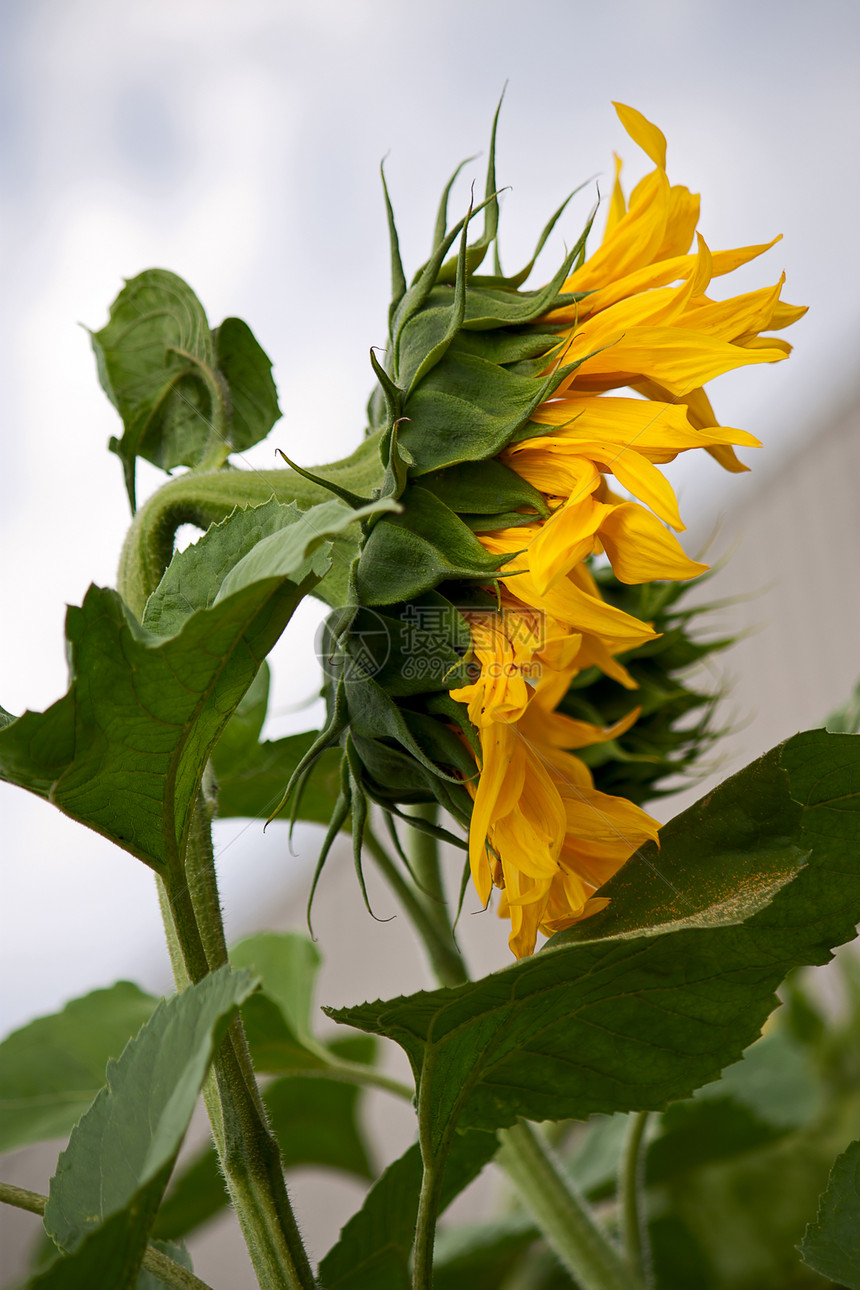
[238, 144]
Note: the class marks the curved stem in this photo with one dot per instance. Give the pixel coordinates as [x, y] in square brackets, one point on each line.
[561, 1213]
[205, 497]
[633, 1225]
[202, 499]
[160, 1265]
[445, 958]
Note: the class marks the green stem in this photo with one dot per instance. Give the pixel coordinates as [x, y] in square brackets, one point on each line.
[160, 1265]
[630, 1184]
[561, 1213]
[249, 1154]
[438, 940]
[205, 497]
[424, 857]
[425, 1227]
[354, 1073]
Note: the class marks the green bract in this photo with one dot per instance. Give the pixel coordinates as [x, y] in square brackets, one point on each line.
[468, 361]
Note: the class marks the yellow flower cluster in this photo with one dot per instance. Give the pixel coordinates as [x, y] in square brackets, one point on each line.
[540, 831]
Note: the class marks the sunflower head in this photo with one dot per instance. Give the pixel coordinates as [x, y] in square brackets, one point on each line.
[483, 659]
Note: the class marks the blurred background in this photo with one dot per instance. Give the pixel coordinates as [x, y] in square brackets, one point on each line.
[238, 144]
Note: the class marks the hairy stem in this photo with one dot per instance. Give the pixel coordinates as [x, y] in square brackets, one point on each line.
[160, 1265]
[634, 1229]
[205, 497]
[249, 1154]
[561, 1213]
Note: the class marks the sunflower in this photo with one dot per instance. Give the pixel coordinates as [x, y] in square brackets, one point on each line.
[511, 463]
[540, 831]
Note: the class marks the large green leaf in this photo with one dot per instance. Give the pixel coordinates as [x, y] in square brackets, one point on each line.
[251, 786]
[51, 1069]
[184, 393]
[773, 1091]
[111, 1177]
[251, 775]
[156, 363]
[831, 1245]
[375, 1245]
[479, 1256]
[770, 1093]
[106, 1257]
[124, 750]
[278, 1019]
[650, 999]
[315, 1123]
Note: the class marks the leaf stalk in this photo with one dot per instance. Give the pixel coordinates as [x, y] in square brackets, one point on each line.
[634, 1227]
[561, 1213]
[173, 1274]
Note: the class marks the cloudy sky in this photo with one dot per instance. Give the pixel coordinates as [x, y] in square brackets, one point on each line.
[238, 144]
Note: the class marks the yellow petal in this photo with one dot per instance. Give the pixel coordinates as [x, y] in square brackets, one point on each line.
[728, 319]
[617, 204]
[643, 132]
[681, 223]
[657, 274]
[633, 241]
[497, 744]
[678, 359]
[640, 549]
[650, 426]
[565, 732]
[565, 539]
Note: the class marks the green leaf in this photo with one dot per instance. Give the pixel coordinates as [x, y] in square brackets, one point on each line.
[315, 1123]
[156, 363]
[125, 749]
[649, 999]
[281, 553]
[109, 1256]
[253, 407]
[111, 1177]
[278, 1019]
[194, 577]
[51, 1069]
[479, 1256]
[415, 649]
[374, 1247]
[250, 785]
[831, 1245]
[767, 1094]
[242, 731]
